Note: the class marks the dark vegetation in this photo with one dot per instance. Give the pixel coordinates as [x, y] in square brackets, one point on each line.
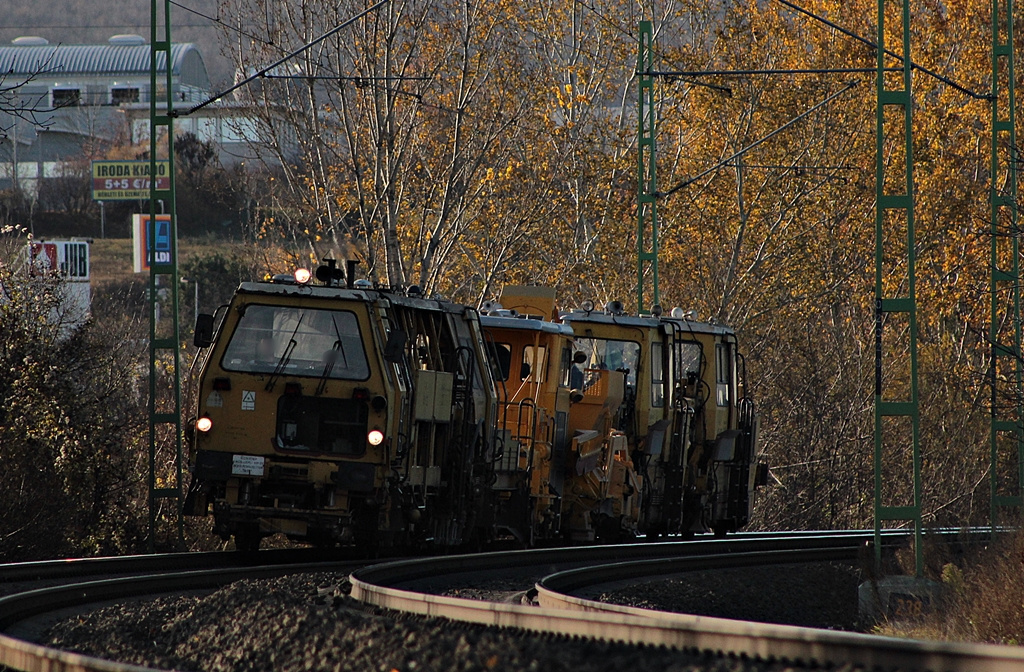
[73, 405]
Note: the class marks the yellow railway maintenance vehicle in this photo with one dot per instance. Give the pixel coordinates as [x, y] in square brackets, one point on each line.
[343, 414]
[563, 470]
[613, 425]
[691, 430]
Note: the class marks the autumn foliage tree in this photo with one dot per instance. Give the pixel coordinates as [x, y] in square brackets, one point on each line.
[461, 146]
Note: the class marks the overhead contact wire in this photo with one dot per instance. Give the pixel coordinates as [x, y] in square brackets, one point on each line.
[763, 139]
[263, 71]
[888, 52]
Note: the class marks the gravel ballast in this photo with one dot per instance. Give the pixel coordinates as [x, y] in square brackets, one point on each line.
[814, 595]
[308, 622]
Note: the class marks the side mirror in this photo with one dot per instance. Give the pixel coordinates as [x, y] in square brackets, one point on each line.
[395, 347]
[204, 331]
[579, 357]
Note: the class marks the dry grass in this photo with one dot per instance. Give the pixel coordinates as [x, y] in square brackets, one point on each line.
[983, 599]
[111, 258]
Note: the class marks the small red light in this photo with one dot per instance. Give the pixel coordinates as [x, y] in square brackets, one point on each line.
[361, 394]
[222, 384]
[293, 389]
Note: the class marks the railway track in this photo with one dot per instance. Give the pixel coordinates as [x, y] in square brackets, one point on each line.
[146, 576]
[564, 576]
[562, 611]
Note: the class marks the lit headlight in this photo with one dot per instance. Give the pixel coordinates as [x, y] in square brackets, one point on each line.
[204, 424]
[375, 437]
[302, 275]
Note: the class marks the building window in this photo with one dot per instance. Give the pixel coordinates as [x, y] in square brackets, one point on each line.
[121, 96]
[67, 98]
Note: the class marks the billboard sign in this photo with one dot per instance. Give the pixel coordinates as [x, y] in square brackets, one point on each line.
[127, 180]
[70, 259]
[162, 253]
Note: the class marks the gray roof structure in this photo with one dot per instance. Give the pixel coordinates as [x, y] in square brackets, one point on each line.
[102, 60]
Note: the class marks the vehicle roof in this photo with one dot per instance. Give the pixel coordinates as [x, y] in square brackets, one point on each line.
[526, 324]
[647, 321]
[345, 294]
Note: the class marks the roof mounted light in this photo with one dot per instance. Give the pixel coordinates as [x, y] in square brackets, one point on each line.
[678, 313]
[587, 306]
[302, 275]
[657, 310]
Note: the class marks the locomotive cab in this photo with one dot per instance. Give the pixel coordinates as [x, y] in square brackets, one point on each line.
[561, 452]
[692, 437]
[329, 413]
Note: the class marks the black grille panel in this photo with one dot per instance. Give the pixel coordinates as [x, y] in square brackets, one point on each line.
[321, 425]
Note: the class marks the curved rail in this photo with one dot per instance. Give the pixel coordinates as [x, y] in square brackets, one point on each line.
[22, 655]
[766, 640]
[566, 614]
[50, 570]
[228, 567]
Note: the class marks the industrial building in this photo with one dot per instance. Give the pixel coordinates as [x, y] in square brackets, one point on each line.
[72, 102]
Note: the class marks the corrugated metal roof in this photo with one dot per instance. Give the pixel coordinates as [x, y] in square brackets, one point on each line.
[102, 59]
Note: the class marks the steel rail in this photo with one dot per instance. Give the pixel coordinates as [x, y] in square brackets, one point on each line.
[767, 640]
[21, 655]
[570, 615]
[224, 568]
[398, 573]
[51, 570]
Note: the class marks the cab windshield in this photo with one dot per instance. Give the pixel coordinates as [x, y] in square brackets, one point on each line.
[612, 355]
[297, 342]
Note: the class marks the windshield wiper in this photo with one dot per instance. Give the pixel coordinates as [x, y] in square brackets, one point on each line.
[332, 356]
[285, 357]
[281, 363]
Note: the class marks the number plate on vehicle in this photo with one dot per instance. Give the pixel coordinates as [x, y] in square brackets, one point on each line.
[247, 465]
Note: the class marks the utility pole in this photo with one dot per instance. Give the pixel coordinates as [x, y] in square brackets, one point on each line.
[646, 175]
[165, 440]
[897, 425]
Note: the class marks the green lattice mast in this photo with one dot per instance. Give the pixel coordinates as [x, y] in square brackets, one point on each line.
[646, 175]
[165, 454]
[894, 220]
[1005, 368]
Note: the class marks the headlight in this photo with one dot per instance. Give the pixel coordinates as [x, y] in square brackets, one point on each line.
[204, 424]
[302, 275]
[375, 437]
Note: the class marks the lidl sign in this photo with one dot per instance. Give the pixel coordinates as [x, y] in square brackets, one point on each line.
[127, 180]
